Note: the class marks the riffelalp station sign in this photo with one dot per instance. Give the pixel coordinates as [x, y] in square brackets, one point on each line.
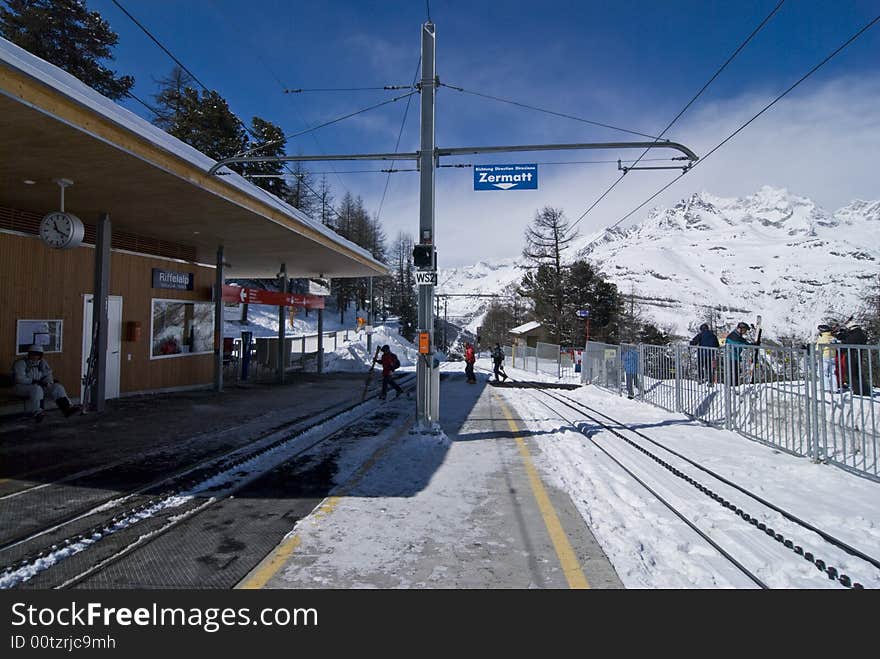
[178, 281]
[505, 177]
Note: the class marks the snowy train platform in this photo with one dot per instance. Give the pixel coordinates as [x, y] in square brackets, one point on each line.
[465, 510]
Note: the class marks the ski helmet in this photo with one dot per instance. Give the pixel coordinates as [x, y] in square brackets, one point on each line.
[385, 348]
[824, 328]
[743, 326]
[704, 327]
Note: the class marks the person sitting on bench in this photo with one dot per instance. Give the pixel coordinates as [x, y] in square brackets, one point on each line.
[32, 379]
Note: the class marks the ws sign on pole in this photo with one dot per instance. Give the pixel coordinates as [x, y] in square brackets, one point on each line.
[426, 277]
[505, 177]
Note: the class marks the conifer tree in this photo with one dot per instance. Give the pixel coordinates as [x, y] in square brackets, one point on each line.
[67, 34]
[202, 120]
[301, 192]
[324, 202]
[265, 132]
[404, 301]
[547, 239]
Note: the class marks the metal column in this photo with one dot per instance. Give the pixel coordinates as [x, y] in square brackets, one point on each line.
[321, 341]
[369, 321]
[99, 312]
[282, 284]
[218, 322]
[426, 392]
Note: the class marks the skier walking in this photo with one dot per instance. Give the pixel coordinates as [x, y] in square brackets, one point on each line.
[498, 361]
[827, 367]
[390, 363]
[470, 359]
[704, 340]
[737, 339]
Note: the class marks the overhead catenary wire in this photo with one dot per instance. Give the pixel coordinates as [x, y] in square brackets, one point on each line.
[397, 144]
[199, 82]
[553, 112]
[347, 89]
[158, 43]
[733, 55]
[253, 150]
[818, 66]
[224, 16]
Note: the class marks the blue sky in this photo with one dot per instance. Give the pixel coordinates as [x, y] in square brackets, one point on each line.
[631, 64]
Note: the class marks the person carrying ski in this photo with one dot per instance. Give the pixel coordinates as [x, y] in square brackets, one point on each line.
[390, 363]
[470, 359]
[827, 367]
[856, 359]
[498, 360]
[705, 339]
[737, 339]
[33, 380]
[631, 370]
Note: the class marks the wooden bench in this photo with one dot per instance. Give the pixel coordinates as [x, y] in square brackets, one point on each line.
[9, 402]
[12, 404]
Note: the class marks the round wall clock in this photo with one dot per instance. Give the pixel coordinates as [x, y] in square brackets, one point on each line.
[62, 230]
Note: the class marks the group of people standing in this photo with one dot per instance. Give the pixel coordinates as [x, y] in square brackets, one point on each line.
[843, 368]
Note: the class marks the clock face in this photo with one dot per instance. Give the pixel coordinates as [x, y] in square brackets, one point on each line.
[61, 230]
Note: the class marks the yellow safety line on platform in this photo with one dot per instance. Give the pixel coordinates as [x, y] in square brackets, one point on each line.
[269, 566]
[564, 551]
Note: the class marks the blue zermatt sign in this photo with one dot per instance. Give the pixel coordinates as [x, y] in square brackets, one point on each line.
[505, 177]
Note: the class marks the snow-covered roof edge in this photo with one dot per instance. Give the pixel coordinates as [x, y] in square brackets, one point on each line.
[71, 87]
[527, 327]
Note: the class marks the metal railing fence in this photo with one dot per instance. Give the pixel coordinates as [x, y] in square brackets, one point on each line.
[547, 358]
[819, 402]
[302, 354]
[600, 365]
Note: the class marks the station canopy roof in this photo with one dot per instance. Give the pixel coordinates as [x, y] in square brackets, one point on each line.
[522, 330]
[53, 126]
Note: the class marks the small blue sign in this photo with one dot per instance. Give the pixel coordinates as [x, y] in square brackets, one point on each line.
[505, 177]
[583, 313]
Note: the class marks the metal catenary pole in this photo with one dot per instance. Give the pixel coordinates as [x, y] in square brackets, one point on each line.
[427, 159]
[425, 394]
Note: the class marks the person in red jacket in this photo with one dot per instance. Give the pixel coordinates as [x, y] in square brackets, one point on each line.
[470, 358]
[389, 362]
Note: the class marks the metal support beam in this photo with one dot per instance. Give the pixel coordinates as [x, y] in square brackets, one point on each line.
[282, 353]
[470, 150]
[321, 341]
[101, 289]
[462, 151]
[218, 322]
[311, 158]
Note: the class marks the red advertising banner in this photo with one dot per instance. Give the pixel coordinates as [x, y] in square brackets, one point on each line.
[272, 298]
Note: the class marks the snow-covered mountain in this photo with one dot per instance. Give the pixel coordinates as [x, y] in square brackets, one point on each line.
[772, 253]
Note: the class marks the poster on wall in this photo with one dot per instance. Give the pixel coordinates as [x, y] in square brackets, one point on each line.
[45, 333]
[181, 328]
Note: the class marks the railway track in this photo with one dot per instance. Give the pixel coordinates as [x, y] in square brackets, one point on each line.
[135, 519]
[774, 527]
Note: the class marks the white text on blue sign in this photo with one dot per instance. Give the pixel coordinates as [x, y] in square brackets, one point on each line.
[505, 177]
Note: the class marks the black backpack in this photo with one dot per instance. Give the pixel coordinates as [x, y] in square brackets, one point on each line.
[395, 362]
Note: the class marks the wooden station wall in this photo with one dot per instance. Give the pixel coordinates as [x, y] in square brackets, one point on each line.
[37, 282]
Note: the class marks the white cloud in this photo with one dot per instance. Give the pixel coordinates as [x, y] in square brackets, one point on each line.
[821, 141]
